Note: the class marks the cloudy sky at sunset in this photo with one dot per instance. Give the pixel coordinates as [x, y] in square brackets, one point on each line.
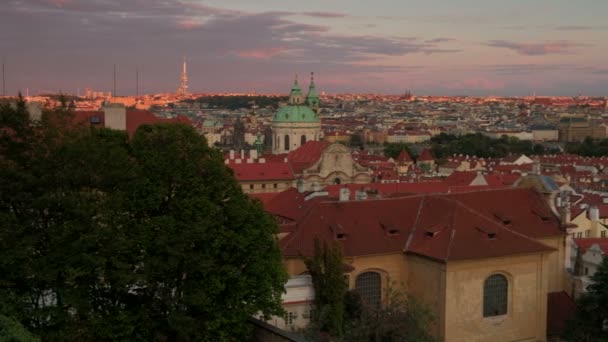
[434, 47]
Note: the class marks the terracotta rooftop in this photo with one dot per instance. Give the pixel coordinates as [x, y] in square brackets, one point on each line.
[270, 171]
[425, 155]
[442, 227]
[306, 155]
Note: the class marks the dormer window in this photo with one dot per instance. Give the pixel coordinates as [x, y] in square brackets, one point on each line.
[430, 234]
[490, 235]
[504, 219]
[341, 236]
[390, 230]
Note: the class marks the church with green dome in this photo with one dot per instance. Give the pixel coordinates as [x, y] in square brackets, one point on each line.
[298, 121]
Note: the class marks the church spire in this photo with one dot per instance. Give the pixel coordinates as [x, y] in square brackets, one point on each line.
[295, 96]
[312, 99]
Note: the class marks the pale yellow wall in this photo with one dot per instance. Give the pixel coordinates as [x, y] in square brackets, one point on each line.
[426, 283]
[526, 314]
[392, 268]
[556, 263]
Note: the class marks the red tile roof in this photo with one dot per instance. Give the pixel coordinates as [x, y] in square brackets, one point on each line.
[560, 308]
[585, 243]
[442, 227]
[134, 118]
[272, 171]
[306, 155]
[425, 155]
[404, 157]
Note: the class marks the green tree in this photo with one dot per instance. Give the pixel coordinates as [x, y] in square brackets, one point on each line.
[400, 319]
[327, 271]
[13, 331]
[392, 150]
[103, 238]
[590, 322]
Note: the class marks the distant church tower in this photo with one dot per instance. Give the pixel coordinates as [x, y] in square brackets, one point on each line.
[183, 88]
[297, 122]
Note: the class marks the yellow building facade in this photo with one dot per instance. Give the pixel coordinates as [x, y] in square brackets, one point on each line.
[445, 251]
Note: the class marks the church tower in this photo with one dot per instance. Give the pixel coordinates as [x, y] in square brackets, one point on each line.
[296, 123]
[312, 99]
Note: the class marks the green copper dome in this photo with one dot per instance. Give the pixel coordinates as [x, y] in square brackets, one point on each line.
[295, 113]
[296, 110]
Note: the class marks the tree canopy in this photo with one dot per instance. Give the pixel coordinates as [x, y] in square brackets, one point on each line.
[392, 150]
[590, 322]
[589, 147]
[103, 238]
[445, 145]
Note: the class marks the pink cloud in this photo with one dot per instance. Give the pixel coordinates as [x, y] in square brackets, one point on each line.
[261, 53]
[537, 49]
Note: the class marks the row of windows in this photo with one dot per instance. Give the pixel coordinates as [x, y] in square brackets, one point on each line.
[495, 292]
[275, 185]
[587, 234]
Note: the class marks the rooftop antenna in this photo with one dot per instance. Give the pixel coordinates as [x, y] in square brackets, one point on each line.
[3, 80]
[136, 81]
[114, 91]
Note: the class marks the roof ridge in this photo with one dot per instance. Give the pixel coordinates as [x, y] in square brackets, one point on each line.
[484, 217]
[413, 230]
[452, 233]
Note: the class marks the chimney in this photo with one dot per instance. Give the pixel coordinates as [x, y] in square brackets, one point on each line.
[300, 185]
[344, 194]
[316, 186]
[35, 110]
[231, 154]
[115, 116]
[536, 166]
[594, 213]
[360, 195]
[253, 154]
[242, 154]
[564, 210]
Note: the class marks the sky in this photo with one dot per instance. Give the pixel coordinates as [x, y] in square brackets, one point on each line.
[432, 47]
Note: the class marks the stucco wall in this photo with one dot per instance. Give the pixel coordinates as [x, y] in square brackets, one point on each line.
[526, 314]
[426, 282]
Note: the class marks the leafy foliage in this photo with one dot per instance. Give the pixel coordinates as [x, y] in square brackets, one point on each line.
[590, 322]
[327, 272]
[400, 319]
[392, 150]
[12, 331]
[107, 239]
[589, 147]
[445, 145]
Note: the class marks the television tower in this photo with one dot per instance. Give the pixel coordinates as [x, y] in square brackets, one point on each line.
[183, 88]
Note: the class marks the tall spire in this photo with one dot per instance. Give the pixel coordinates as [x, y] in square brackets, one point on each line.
[183, 89]
[312, 98]
[295, 96]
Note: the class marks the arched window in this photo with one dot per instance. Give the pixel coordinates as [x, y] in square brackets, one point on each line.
[495, 295]
[287, 142]
[302, 140]
[368, 284]
[337, 180]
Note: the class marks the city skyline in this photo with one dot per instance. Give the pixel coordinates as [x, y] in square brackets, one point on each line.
[466, 47]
